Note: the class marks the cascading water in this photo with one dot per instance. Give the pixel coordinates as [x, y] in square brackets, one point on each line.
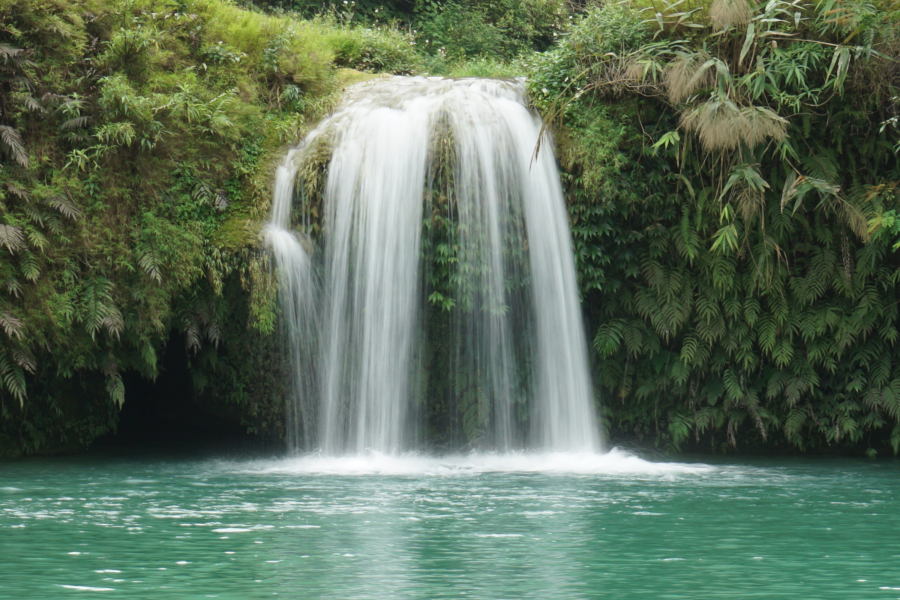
[297, 299]
[446, 276]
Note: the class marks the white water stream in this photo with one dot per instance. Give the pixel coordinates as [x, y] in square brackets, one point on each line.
[357, 341]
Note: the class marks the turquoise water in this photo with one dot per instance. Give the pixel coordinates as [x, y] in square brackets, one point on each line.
[488, 527]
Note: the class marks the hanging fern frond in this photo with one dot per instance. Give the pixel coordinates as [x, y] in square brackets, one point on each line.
[24, 358]
[11, 143]
[115, 387]
[17, 191]
[29, 266]
[12, 376]
[12, 326]
[203, 192]
[192, 337]
[98, 310]
[12, 237]
[10, 55]
[65, 205]
[75, 123]
[32, 104]
[37, 240]
[221, 200]
[151, 265]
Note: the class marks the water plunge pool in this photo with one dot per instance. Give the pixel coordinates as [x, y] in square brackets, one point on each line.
[474, 526]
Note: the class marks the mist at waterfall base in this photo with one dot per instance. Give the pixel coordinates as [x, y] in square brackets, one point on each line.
[417, 168]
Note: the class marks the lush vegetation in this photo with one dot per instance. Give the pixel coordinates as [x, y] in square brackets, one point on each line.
[731, 170]
[137, 142]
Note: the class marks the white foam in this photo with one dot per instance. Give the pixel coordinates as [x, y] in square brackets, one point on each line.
[242, 529]
[85, 588]
[614, 462]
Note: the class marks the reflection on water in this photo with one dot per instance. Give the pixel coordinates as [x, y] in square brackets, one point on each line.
[475, 526]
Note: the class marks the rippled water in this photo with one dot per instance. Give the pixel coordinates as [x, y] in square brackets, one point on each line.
[479, 526]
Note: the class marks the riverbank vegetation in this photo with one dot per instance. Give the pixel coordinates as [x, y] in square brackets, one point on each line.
[731, 172]
[138, 140]
[733, 176]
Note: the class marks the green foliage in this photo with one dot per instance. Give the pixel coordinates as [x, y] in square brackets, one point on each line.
[733, 194]
[350, 12]
[489, 29]
[458, 31]
[136, 145]
[602, 35]
[730, 168]
[436, 37]
[484, 67]
[379, 49]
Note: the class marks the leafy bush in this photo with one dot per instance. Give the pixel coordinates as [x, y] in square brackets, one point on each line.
[606, 29]
[599, 35]
[379, 49]
[489, 29]
[458, 31]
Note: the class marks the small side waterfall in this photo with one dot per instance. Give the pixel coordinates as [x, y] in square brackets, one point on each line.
[447, 279]
[298, 294]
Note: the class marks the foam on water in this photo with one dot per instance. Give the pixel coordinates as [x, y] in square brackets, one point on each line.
[615, 462]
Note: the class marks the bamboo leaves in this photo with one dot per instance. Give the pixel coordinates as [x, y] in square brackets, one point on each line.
[840, 66]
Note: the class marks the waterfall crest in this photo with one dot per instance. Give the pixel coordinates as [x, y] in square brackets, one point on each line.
[447, 279]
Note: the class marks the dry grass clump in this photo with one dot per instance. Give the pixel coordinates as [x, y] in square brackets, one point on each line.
[722, 125]
[750, 203]
[687, 74]
[725, 14]
[635, 72]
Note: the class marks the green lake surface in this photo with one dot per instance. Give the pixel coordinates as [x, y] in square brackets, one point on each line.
[474, 526]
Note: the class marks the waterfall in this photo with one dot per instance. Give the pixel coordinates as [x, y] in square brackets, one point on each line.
[298, 292]
[441, 281]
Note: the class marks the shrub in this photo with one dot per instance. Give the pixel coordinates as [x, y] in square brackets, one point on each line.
[378, 49]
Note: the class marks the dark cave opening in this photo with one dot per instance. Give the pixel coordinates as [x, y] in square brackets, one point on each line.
[166, 414]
